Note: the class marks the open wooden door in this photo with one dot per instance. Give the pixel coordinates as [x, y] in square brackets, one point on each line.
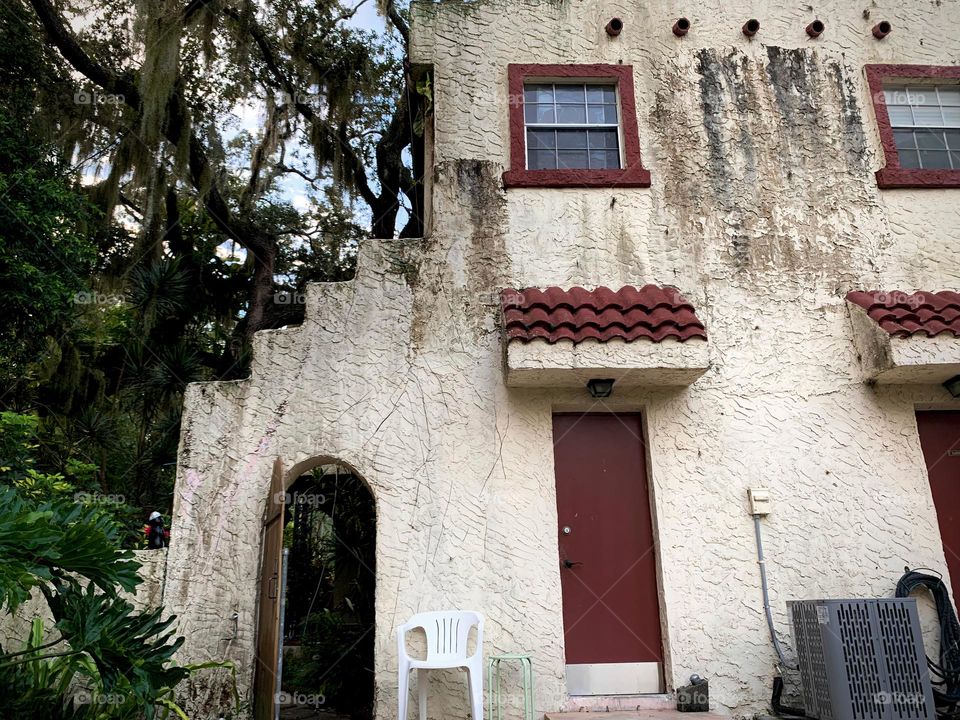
[268, 627]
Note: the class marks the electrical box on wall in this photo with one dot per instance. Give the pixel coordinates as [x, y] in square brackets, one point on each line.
[759, 501]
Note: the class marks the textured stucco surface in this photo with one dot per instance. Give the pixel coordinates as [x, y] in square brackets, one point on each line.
[763, 208]
[642, 362]
[912, 360]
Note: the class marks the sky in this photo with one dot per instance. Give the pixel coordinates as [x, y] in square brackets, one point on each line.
[292, 187]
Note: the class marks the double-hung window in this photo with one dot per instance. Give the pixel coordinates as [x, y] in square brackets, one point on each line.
[573, 126]
[917, 108]
[926, 125]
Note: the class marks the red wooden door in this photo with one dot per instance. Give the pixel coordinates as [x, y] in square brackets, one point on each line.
[940, 440]
[608, 564]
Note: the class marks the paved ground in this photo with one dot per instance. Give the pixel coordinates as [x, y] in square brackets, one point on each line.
[305, 712]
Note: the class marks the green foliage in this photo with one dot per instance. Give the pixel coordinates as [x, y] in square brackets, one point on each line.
[18, 434]
[330, 592]
[45, 252]
[334, 661]
[105, 661]
[22, 440]
[52, 542]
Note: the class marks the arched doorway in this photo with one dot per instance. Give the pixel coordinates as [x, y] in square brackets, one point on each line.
[325, 627]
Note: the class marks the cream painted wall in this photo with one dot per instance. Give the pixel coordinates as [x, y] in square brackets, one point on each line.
[763, 210]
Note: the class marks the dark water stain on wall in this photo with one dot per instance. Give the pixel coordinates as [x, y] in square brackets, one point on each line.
[487, 261]
[778, 150]
[474, 186]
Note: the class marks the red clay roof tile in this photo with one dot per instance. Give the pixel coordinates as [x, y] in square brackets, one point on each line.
[652, 312]
[904, 314]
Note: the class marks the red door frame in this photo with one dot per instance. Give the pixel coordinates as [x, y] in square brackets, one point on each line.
[614, 443]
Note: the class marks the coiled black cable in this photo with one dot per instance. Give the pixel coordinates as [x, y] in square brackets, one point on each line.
[945, 674]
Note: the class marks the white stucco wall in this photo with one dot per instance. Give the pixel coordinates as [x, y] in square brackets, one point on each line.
[763, 209]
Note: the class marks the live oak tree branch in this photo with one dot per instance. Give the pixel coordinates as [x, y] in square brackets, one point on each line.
[392, 175]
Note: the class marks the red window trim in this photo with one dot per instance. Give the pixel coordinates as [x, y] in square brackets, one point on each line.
[633, 175]
[894, 176]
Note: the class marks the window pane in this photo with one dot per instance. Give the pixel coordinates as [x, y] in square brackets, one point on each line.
[541, 159]
[904, 139]
[930, 140]
[572, 158]
[538, 93]
[953, 139]
[563, 146]
[571, 114]
[909, 159]
[950, 96]
[955, 156]
[934, 159]
[926, 115]
[900, 116]
[541, 139]
[572, 139]
[570, 94]
[604, 159]
[951, 116]
[605, 114]
[535, 113]
[922, 96]
[895, 95]
[605, 139]
[601, 94]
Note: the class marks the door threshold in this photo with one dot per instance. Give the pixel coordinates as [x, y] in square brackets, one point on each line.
[673, 714]
[611, 703]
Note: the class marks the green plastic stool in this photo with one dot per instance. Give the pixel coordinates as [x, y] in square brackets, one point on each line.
[493, 693]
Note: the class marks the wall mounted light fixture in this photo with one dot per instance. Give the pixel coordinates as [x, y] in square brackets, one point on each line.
[953, 386]
[600, 388]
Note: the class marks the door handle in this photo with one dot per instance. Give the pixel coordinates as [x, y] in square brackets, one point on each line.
[272, 587]
[568, 564]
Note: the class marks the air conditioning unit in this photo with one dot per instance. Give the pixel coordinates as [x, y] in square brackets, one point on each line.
[862, 659]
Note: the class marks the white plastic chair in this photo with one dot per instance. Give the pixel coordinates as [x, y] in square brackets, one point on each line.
[447, 634]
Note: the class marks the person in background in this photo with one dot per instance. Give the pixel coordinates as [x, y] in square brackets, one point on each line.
[158, 537]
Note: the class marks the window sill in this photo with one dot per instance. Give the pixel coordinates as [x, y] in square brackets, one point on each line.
[892, 178]
[636, 177]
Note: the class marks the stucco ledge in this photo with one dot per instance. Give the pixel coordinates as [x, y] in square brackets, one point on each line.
[893, 360]
[639, 363]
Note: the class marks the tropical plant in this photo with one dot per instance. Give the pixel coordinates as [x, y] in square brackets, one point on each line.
[102, 659]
